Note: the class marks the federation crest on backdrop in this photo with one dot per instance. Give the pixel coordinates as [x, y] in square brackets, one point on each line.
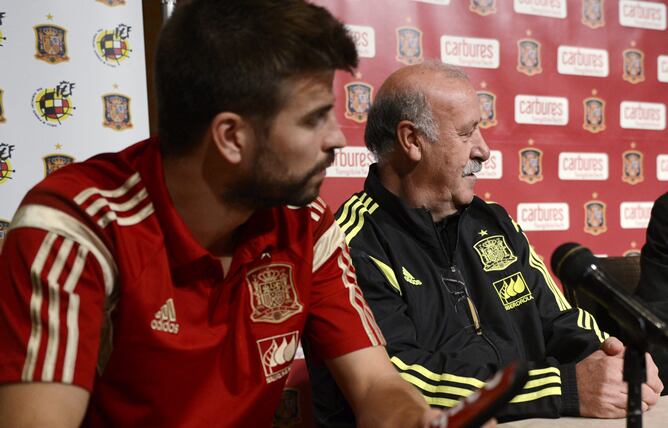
[116, 112]
[50, 43]
[528, 57]
[409, 45]
[531, 165]
[632, 170]
[4, 226]
[594, 114]
[482, 7]
[592, 13]
[487, 101]
[52, 106]
[358, 101]
[112, 2]
[54, 162]
[273, 295]
[2, 37]
[112, 47]
[6, 170]
[634, 68]
[288, 412]
[494, 253]
[595, 221]
[2, 108]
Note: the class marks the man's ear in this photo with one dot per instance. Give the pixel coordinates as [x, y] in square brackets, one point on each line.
[410, 140]
[231, 134]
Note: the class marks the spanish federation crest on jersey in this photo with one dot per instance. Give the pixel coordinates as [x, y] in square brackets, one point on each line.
[594, 114]
[52, 106]
[634, 68]
[595, 219]
[54, 162]
[2, 108]
[483, 7]
[528, 57]
[6, 170]
[51, 43]
[494, 253]
[358, 101]
[116, 112]
[112, 46]
[112, 2]
[513, 291]
[273, 295]
[288, 412]
[632, 172]
[487, 102]
[409, 45]
[4, 226]
[593, 13]
[531, 165]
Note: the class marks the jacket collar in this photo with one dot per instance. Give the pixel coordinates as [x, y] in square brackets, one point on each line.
[417, 220]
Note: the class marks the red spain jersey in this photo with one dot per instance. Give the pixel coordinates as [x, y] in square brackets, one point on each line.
[104, 287]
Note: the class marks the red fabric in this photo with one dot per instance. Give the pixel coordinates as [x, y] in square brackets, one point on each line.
[187, 348]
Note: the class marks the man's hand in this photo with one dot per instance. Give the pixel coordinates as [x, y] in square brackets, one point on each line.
[601, 389]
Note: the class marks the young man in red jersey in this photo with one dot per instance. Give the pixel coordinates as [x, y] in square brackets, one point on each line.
[170, 283]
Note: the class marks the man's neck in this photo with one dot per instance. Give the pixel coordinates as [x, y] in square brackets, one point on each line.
[214, 223]
[410, 190]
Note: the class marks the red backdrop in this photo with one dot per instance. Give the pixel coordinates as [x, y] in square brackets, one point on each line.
[586, 39]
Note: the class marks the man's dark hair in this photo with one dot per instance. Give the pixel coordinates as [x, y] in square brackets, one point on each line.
[233, 55]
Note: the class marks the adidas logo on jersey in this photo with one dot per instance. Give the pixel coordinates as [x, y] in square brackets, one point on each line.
[165, 318]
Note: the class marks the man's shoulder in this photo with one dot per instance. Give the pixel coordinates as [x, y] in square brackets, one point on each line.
[357, 216]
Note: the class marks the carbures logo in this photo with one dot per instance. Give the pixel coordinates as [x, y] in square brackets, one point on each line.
[112, 47]
[52, 106]
[6, 170]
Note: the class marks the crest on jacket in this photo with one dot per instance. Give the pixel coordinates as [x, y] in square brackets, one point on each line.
[513, 291]
[634, 69]
[528, 57]
[50, 43]
[494, 253]
[409, 45]
[595, 221]
[273, 295]
[633, 168]
[592, 13]
[358, 101]
[594, 114]
[116, 112]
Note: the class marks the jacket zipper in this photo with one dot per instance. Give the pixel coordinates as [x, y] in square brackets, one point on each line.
[473, 311]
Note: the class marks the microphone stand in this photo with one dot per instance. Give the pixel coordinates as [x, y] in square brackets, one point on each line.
[635, 373]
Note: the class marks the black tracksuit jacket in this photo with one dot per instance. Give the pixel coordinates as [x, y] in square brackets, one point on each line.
[455, 312]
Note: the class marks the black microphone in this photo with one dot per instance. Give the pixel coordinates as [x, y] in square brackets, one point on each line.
[578, 268]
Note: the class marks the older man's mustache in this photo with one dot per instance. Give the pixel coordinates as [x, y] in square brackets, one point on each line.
[472, 167]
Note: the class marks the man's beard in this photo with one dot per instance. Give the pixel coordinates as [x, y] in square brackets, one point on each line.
[270, 184]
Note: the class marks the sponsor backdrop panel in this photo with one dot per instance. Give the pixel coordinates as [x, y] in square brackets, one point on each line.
[572, 97]
[73, 85]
